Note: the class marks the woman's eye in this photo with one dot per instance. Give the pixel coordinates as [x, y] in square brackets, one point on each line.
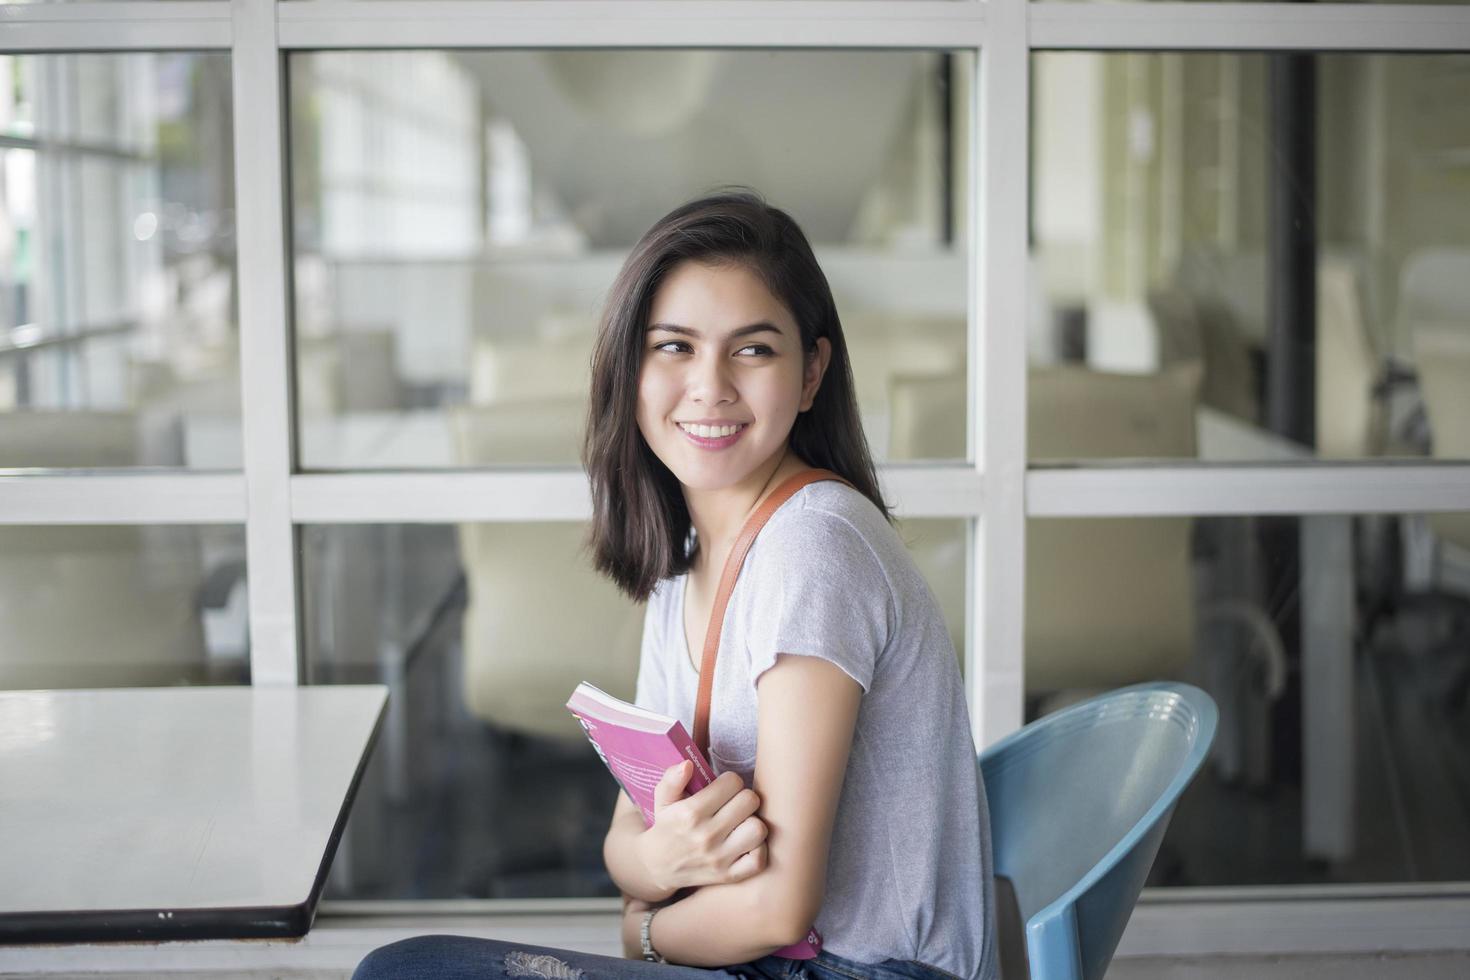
[680, 347]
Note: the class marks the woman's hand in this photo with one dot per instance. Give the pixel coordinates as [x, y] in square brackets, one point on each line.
[710, 838]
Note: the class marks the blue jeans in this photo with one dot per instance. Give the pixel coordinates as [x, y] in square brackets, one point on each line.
[454, 957]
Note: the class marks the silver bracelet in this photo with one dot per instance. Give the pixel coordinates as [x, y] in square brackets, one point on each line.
[649, 953]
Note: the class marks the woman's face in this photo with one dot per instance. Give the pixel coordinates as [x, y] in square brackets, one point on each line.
[721, 351]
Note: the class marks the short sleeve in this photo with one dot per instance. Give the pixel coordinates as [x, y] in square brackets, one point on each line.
[651, 690]
[819, 590]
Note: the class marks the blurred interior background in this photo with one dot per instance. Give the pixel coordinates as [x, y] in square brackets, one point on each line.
[1234, 257]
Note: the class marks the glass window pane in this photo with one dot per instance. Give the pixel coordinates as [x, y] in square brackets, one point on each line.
[482, 782]
[1250, 256]
[1336, 648]
[117, 262]
[122, 606]
[459, 217]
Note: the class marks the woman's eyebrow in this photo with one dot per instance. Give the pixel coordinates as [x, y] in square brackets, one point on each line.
[674, 328]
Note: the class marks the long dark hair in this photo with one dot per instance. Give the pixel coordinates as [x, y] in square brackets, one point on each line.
[640, 523]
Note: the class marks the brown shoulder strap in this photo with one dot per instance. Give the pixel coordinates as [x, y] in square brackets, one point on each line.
[752, 527]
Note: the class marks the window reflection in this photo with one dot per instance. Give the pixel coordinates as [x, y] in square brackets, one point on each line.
[481, 780]
[122, 606]
[1335, 648]
[460, 215]
[1292, 226]
[117, 261]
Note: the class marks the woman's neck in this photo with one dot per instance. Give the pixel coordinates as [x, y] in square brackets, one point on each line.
[718, 515]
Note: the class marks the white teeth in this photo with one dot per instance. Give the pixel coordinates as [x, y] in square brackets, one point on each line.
[711, 431]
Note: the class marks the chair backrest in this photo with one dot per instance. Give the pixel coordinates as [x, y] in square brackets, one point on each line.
[1432, 288]
[1347, 366]
[1442, 360]
[56, 439]
[882, 348]
[1201, 328]
[1077, 413]
[1110, 601]
[352, 370]
[1086, 625]
[525, 432]
[530, 369]
[1079, 801]
[526, 643]
[928, 416]
[93, 606]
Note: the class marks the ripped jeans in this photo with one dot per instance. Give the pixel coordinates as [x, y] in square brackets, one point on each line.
[456, 957]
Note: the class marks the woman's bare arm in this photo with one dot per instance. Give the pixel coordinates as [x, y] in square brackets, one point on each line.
[807, 715]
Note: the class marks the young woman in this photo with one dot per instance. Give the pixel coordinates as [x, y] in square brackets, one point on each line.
[847, 794]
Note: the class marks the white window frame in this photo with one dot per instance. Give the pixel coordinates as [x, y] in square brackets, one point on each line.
[995, 490]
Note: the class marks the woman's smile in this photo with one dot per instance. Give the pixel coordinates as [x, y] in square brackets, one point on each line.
[713, 436]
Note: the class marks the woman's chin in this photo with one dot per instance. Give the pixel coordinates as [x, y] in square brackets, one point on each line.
[714, 477]
[706, 479]
[707, 475]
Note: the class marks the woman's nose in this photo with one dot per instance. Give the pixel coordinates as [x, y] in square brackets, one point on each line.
[710, 382]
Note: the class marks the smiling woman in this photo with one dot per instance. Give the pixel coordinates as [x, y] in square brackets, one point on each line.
[719, 391]
[831, 679]
[712, 273]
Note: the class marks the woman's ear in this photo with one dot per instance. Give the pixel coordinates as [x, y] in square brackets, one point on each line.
[815, 370]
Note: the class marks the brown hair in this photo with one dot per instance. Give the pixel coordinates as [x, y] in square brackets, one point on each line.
[640, 524]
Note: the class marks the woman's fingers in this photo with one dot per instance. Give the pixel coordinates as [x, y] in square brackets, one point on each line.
[712, 835]
[736, 809]
[670, 788]
[750, 863]
[714, 797]
[750, 834]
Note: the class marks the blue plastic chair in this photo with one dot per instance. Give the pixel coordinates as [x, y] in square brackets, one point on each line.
[1079, 801]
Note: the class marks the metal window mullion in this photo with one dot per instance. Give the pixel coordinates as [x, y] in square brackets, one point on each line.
[975, 417]
[996, 666]
[432, 497]
[170, 25]
[1249, 26]
[821, 23]
[122, 498]
[260, 210]
[633, 23]
[1245, 488]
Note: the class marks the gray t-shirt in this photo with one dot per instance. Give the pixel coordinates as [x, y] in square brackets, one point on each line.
[908, 875]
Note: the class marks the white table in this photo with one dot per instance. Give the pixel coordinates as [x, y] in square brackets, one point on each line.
[174, 813]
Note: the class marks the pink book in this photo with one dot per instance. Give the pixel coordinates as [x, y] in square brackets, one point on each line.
[637, 746]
